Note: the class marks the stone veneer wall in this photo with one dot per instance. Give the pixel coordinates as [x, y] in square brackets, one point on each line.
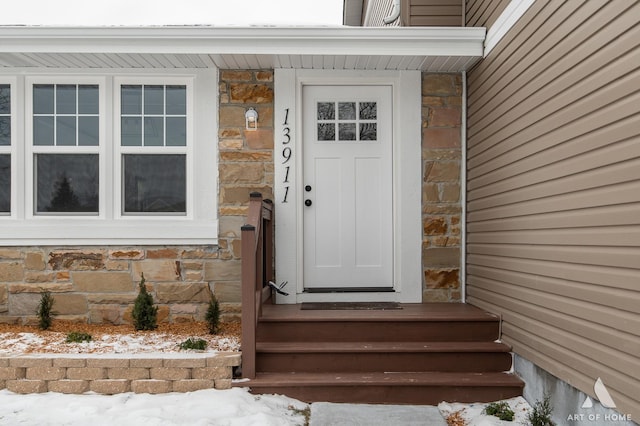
[246, 163]
[441, 210]
[100, 284]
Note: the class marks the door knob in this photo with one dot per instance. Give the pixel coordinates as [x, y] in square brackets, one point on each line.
[307, 203]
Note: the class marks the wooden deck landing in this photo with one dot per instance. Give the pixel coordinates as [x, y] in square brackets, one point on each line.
[409, 312]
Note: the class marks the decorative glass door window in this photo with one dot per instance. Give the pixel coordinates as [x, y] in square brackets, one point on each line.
[5, 149]
[153, 139]
[348, 121]
[66, 143]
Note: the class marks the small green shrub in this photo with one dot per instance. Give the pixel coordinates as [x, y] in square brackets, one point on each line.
[195, 344]
[145, 315]
[213, 315]
[44, 310]
[501, 410]
[78, 337]
[540, 415]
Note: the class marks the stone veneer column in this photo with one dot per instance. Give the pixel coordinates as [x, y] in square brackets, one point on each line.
[441, 125]
[246, 165]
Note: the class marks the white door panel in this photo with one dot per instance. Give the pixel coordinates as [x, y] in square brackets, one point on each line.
[347, 167]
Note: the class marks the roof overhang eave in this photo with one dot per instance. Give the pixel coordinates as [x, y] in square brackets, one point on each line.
[252, 40]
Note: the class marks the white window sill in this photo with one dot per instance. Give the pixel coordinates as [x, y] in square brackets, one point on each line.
[125, 232]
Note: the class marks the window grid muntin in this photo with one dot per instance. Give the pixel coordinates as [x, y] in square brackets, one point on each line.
[143, 115]
[77, 115]
[5, 115]
[346, 121]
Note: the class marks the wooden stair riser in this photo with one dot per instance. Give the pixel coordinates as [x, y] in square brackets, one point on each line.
[396, 362]
[458, 331]
[390, 394]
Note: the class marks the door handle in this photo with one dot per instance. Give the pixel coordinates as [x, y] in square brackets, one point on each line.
[308, 202]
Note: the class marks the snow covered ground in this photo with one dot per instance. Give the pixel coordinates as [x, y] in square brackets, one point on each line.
[207, 407]
[233, 407]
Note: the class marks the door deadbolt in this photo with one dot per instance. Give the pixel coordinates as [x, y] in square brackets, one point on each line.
[307, 188]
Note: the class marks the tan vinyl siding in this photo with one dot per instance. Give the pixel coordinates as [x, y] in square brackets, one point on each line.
[483, 13]
[553, 223]
[432, 13]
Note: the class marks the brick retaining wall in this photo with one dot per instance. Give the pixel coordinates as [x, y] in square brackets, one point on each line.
[112, 374]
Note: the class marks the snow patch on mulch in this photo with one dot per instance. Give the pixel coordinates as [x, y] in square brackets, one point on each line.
[114, 339]
[12, 343]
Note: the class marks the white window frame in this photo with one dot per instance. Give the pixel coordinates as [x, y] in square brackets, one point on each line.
[31, 150]
[110, 226]
[12, 149]
[120, 150]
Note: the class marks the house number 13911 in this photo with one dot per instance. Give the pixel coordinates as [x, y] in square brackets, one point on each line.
[287, 152]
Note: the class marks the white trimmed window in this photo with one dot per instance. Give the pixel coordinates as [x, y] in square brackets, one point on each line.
[108, 159]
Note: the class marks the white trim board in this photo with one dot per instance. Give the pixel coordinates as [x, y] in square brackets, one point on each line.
[407, 181]
[511, 14]
[253, 40]
[444, 49]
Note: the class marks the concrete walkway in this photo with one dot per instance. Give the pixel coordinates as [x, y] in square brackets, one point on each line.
[329, 414]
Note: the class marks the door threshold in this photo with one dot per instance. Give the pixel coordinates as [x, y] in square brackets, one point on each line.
[350, 290]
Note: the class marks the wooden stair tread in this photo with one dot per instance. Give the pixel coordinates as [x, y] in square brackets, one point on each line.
[431, 379]
[394, 347]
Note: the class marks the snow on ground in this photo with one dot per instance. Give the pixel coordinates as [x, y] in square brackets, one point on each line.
[233, 407]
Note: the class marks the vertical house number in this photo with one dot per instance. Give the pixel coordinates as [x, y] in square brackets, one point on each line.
[286, 153]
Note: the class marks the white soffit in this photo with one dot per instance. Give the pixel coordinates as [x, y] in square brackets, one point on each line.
[442, 49]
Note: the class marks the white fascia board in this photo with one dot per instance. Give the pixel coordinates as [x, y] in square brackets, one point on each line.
[437, 41]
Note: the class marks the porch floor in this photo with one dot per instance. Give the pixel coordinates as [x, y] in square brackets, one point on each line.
[409, 312]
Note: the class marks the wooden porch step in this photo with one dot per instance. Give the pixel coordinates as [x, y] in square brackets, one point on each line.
[389, 388]
[316, 357]
[413, 323]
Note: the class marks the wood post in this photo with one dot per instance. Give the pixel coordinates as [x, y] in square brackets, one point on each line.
[257, 269]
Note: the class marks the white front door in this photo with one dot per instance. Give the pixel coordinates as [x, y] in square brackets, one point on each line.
[347, 188]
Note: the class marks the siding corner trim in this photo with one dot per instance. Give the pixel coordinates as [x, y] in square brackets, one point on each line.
[512, 13]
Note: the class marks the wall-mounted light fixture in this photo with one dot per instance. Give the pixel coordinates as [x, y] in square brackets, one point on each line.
[251, 119]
